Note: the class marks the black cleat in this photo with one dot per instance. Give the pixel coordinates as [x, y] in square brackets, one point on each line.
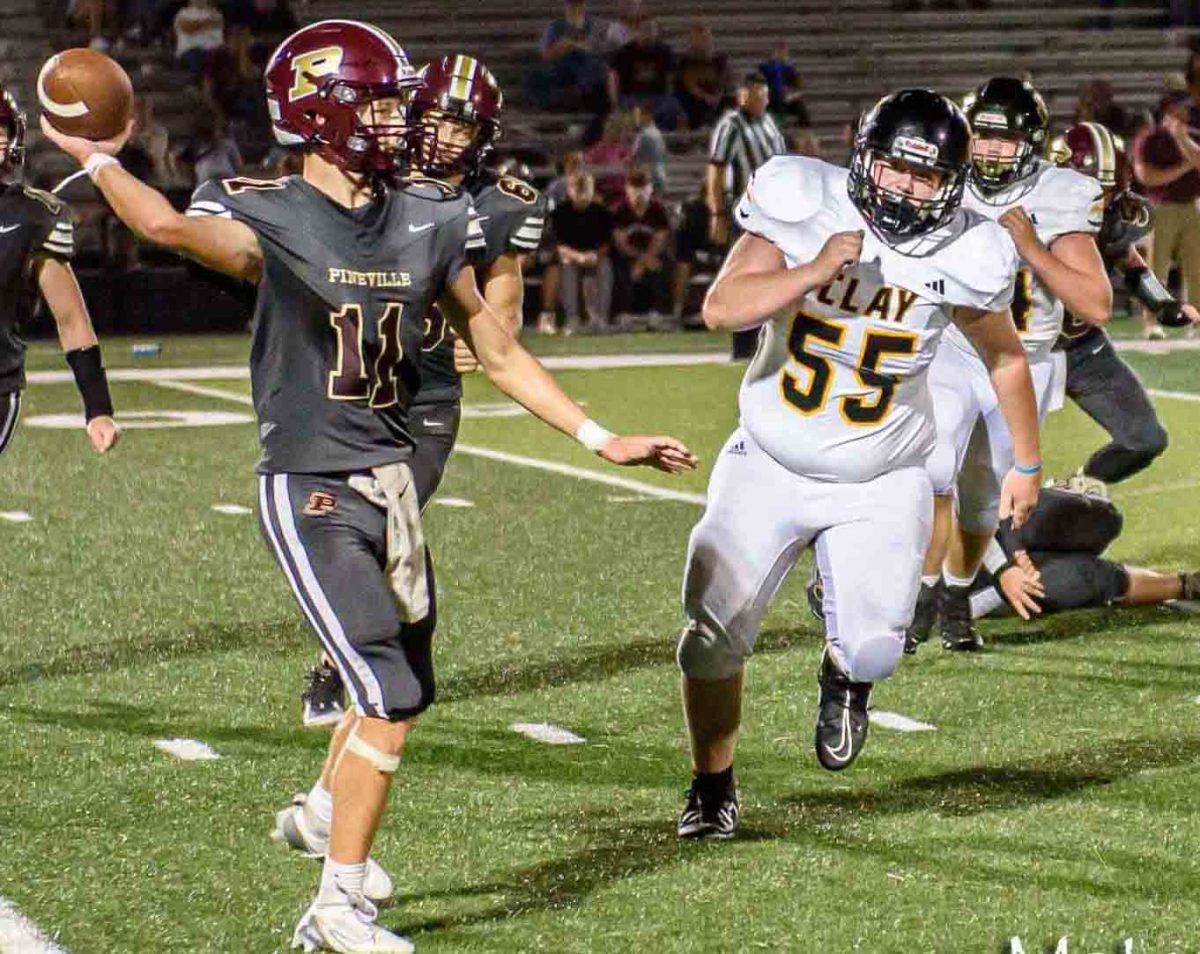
[841, 716]
[322, 697]
[958, 631]
[709, 814]
[924, 617]
[815, 591]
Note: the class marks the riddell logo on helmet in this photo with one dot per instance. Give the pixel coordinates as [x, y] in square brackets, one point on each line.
[995, 120]
[919, 149]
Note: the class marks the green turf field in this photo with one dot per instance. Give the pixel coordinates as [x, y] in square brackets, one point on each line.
[1057, 796]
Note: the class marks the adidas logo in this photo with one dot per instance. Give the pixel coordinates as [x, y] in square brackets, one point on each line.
[739, 448]
[938, 285]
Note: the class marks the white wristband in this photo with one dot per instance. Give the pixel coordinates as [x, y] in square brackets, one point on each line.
[592, 436]
[97, 161]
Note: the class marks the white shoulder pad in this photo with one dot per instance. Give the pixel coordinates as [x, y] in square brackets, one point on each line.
[980, 266]
[784, 191]
[1065, 201]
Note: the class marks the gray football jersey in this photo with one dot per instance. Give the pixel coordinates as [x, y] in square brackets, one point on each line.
[340, 313]
[513, 214]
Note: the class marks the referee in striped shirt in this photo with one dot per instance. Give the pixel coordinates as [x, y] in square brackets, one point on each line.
[743, 139]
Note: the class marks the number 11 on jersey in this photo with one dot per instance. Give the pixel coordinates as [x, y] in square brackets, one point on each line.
[353, 379]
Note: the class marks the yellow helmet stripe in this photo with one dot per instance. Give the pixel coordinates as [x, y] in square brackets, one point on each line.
[1106, 153]
[464, 77]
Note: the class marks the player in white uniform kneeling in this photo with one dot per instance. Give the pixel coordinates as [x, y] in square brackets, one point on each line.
[1052, 215]
[855, 275]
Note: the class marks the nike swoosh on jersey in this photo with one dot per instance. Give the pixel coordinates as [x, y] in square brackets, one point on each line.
[421, 228]
[743, 213]
[5, 229]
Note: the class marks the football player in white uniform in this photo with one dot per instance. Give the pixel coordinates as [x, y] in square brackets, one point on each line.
[853, 274]
[1053, 215]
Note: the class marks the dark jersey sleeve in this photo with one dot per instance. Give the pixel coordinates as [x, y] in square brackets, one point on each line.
[1127, 220]
[460, 242]
[55, 231]
[513, 214]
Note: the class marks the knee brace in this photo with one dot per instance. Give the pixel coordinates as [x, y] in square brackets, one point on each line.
[706, 651]
[383, 761]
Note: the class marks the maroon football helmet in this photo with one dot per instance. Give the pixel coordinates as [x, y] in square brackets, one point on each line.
[321, 76]
[461, 88]
[13, 122]
[1091, 149]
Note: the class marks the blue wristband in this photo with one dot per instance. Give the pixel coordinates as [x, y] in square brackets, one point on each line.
[1029, 470]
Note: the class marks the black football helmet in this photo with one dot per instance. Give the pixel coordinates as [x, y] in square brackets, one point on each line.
[1008, 108]
[921, 129]
[13, 122]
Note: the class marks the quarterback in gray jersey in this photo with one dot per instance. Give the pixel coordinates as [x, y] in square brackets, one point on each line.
[37, 241]
[459, 104]
[346, 266]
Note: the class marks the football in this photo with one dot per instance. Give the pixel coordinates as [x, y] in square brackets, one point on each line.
[85, 93]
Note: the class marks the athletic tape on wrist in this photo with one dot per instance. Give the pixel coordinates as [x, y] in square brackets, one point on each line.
[592, 436]
[97, 161]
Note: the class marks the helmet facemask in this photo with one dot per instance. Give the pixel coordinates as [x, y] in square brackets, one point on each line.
[371, 132]
[897, 214]
[996, 173]
[12, 124]
[453, 141]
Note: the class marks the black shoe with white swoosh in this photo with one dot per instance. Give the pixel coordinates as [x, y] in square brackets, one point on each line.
[709, 814]
[841, 716]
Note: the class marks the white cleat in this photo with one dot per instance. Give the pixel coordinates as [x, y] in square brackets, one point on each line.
[347, 926]
[292, 827]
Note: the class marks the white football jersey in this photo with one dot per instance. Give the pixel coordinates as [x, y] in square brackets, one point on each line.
[837, 389]
[1059, 201]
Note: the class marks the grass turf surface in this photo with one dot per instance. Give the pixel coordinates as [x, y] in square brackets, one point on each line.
[1057, 796]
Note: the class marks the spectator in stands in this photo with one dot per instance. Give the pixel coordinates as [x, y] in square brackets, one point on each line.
[622, 30]
[232, 84]
[694, 250]
[701, 77]
[268, 22]
[743, 139]
[212, 151]
[649, 149]
[199, 30]
[641, 236]
[568, 164]
[1166, 160]
[804, 142]
[152, 138]
[640, 72]
[609, 157]
[94, 16]
[583, 236]
[572, 74]
[783, 86]
[1096, 105]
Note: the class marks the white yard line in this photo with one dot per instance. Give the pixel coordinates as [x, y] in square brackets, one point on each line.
[19, 935]
[1155, 489]
[218, 393]
[580, 473]
[1174, 395]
